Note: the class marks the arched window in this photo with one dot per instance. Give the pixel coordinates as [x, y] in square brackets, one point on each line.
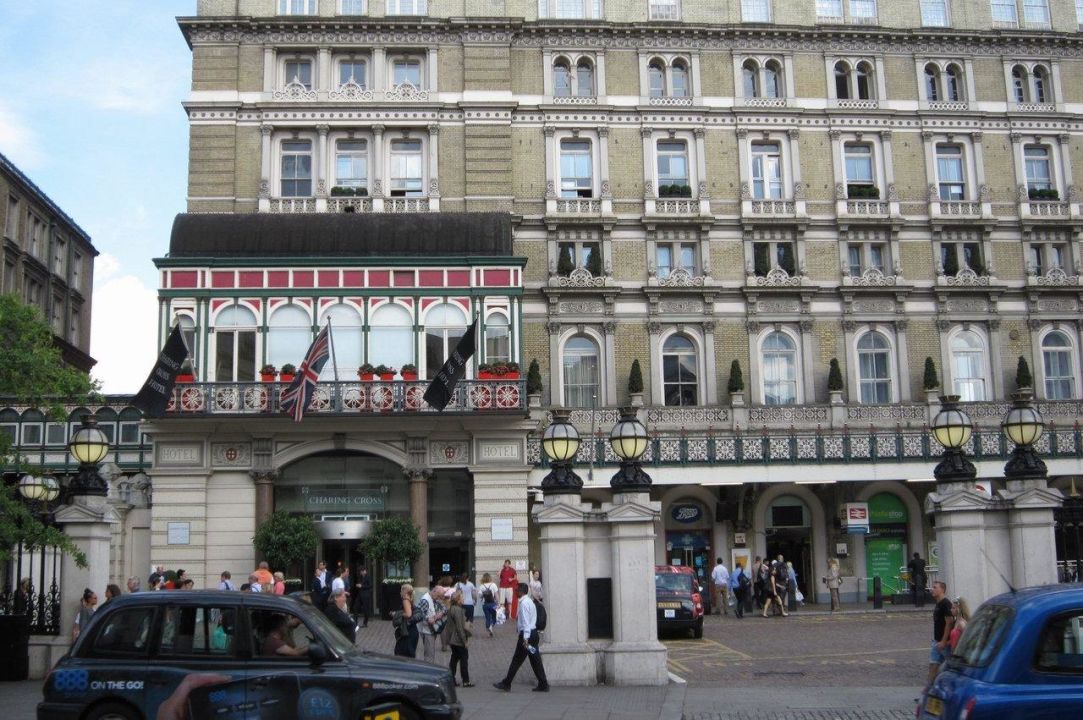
[391, 336]
[968, 366]
[445, 324]
[772, 74]
[1059, 367]
[1041, 85]
[497, 339]
[679, 76]
[842, 81]
[751, 74]
[235, 345]
[679, 371]
[953, 84]
[865, 89]
[779, 363]
[188, 332]
[581, 372]
[562, 78]
[932, 82]
[289, 332]
[348, 338]
[656, 79]
[584, 79]
[874, 368]
[1019, 84]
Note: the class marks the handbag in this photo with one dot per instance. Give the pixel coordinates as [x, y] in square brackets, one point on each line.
[501, 616]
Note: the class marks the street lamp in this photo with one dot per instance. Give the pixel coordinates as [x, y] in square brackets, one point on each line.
[629, 441]
[952, 429]
[1023, 425]
[560, 441]
[39, 489]
[88, 446]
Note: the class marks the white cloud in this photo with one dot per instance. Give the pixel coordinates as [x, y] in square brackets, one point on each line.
[18, 141]
[124, 335]
[143, 88]
[105, 267]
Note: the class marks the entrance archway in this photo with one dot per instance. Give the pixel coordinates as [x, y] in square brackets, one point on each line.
[815, 566]
[788, 531]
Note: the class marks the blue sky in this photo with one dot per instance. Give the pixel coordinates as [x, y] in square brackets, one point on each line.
[90, 110]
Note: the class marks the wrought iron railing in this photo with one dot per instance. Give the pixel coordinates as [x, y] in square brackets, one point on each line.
[351, 398]
[39, 602]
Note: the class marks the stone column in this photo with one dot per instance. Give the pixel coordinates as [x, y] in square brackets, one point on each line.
[88, 521]
[433, 190]
[635, 657]
[419, 514]
[1030, 531]
[266, 173]
[321, 168]
[379, 163]
[971, 530]
[265, 494]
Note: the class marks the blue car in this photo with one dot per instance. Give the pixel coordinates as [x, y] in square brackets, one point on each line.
[1021, 656]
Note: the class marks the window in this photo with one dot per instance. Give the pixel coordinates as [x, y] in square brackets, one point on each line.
[349, 341]
[665, 10]
[771, 73]
[956, 256]
[779, 369]
[391, 336]
[864, 81]
[576, 172]
[1043, 257]
[751, 74]
[76, 274]
[860, 182]
[1058, 366]
[766, 171]
[1079, 12]
[584, 76]
[579, 83]
[1036, 13]
[932, 83]
[497, 339]
[949, 171]
[125, 634]
[581, 372]
[866, 256]
[35, 235]
[854, 82]
[60, 254]
[678, 74]
[297, 7]
[445, 324]
[298, 71]
[55, 433]
[11, 225]
[406, 70]
[1039, 176]
[407, 179]
[1003, 13]
[863, 11]
[673, 167]
[289, 332]
[985, 632]
[671, 256]
[829, 10]
[1019, 84]
[275, 634]
[953, 84]
[351, 163]
[768, 256]
[572, 255]
[1040, 85]
[934, 13]
[570, 9]
[74, 329]
[1060, 646]
[679, 371]
[562, 79]
[353, 71]
[129, 433]
[756, 10]
[206, 632]
[874, 368]
[31, 434]
[352, 7]
[656, 79]
[296, 168]
[842, 81]
[407, 7]
[235, 345]
[968, 366]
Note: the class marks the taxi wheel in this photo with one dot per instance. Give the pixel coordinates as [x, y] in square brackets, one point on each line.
[113, 711]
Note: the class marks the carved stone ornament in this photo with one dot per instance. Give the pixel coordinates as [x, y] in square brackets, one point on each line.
[777, 277]
[892, 192]
[231, 454]
[752, 326]
[943, 325]
[967, 278]
[984, 192]
[434, 129]
[681, 277]
[377, 188]
[680, 307]
[703, 192]
[849, 326]
[967, 305]
[648, 189]
[873, 277]
[609, 327]
[406, 92]
[550, 190]
[805, 325]
[799, 190]
[266, 130]
[654, 328]
[264, 188]
[1055, 277]
[932, 193]
[581, 307]
[746, 191]
[1022, 194]
[434, 187]
[350, 92]
[840, 191]
[580, 278]
[778, 307]
[553, 327]
[607, 191]
[445, 452]
[294, 91]
[321, 188]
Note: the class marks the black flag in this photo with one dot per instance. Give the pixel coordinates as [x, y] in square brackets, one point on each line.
[154, 396]
[438, 394]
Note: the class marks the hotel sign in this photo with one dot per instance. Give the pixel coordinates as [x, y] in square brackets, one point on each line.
[328, 499]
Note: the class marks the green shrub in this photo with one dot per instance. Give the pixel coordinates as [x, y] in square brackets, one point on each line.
[930, 381]
[285, 539]
[1023, 378]
[635, 378]
[533, 378]
[737, 379]
[834, 376]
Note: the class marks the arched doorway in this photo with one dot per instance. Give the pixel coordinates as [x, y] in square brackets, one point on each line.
[688, 539]
[788, 531]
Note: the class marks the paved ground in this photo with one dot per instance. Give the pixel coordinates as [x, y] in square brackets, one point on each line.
[810, 666]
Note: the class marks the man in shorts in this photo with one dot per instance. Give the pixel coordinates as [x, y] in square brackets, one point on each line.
[942, 624]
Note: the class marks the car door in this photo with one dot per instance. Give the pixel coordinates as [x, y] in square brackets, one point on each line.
[1053, 688]
[113, 663]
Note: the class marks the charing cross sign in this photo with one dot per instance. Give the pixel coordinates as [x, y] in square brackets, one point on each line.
[322, 499]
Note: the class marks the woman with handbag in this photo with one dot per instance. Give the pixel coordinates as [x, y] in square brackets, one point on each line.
[457, 634]
[405, 623]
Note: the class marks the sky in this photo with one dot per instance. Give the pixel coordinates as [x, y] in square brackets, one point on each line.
[90, 110]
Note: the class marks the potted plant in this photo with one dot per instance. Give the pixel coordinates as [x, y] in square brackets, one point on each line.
[930, 382]
[533, 384]
[485, 371]
[186, 374]
[635, 384]
[286, 541]
[834, 382]
[287, 372]
[393, 544]
[409, 371]
[1023, 378]
[386, 373]
[736, 385]
[267, 373]
[498, 370]
[366, 372]
[512, 371]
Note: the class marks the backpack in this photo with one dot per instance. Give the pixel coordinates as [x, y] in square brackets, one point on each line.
[743, 582]
[487, 595]
[543, 617]
[399, 623]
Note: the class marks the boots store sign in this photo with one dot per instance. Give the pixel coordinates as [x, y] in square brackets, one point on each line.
[686, 513]
[322, 500]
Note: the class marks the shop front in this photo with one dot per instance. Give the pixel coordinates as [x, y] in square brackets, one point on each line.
[688, 540]
[886, 544]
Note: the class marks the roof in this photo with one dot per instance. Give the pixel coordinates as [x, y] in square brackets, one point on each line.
[341, 235]
[1039, 596]
[9, 167]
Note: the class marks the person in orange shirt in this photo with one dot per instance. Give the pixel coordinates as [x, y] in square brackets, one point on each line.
[263, 572]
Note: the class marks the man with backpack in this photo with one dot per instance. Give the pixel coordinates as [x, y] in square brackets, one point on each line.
[739, 585]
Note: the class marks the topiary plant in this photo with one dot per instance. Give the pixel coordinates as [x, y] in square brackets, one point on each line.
[393, 540]
[1023, 378]
[594, 262]
[737, 379]
[533, 378]
[930, 381]
[565, 261]
[635, 378]
[285, 539]
[834, 376]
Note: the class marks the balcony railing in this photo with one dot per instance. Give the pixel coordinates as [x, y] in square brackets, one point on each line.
[773, 207]
[579, 206]
[346, 398]
[293, 205]
[339, 204]
[866, 207]
[1049, 208]
[575, 100]
[960, 208]
[679, 206]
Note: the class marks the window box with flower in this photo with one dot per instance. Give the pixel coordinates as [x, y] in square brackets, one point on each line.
[287, 372]
[366, 372]
[408, 371]
[268, 373]
[385, 372]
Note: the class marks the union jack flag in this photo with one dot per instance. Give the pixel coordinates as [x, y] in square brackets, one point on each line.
[299, 394]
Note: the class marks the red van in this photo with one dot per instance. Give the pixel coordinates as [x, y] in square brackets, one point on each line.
[679, 599]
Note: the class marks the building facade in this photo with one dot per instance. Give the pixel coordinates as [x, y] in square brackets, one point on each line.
[688, 185]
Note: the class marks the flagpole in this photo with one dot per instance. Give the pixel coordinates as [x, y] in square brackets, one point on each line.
[331, 343]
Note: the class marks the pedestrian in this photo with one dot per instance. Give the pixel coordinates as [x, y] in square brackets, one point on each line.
[761, 572]
[772, 594]
[406, 624]
[526, 644]
[534, 583]
[960, 610]
[342, 577]
[321, 587]
[916, 566]
[431, 623]
[87, 606]
[470, 596]
[278, 586]
[739, 584]
[362, 602]
[225, 581]
[720, 577]
[111, 593]
[264, 576]
[943, 623]
[336, 613]
[778, 569]
[509, 579]
[254, 583]
[489, 594]
[133, 584]
[833, 581]
[458, 634]
[791, 585]
[188, 584]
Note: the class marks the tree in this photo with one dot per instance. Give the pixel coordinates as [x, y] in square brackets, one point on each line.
[930, 381]
[286, 539]
[737, 379]
[32, 374]
[533, 378]
[834, 376]
[635, 378]
[393, 540]
[565, 262]
[1023, 377]
[594, 262]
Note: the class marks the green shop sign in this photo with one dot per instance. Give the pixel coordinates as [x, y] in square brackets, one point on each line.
[886, 509]
[338, 499]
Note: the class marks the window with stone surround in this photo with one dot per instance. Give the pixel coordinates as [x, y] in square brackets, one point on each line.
[779, 368]
[581, 371]
[950, 172]
[862, 256]
[944, 82]
[874, 369]
[756, 11]
[969, 365]
[664, 9]
[296, 168]
[352, 70]
[860, 167]
[1079, 13]
[352, 7]
[935, 13]
[957, 256]
[670, 256]
[298, 7]
[406, 70]
[11, 224]
[854, 80]
[579, 254]
[668, 76]
[771, 255]
[35, 235]
[1036, 14]
[673, 170]
[576, 168]
[1058, 365]
[1031, 83]
[570, 9]
[351, 164]
[349, 341]
[407, 167]
[762, 79]
[857, 12]
[1039, 170]
[289, 333]
[1043, 256]
[407, 7]
[296, 70]
[574, 76]
[680, 371]
[766, 170]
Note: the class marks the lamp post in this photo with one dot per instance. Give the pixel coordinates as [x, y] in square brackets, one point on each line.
[952, 428]
[38, 492]
[1023, 425]
[88, 446]
[560, 441]
[629, 441]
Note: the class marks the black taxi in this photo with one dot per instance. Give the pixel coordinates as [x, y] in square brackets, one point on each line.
[679, 599]
[233, 656]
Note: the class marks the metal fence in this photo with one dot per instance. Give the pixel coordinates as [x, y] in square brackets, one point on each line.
[40, 599]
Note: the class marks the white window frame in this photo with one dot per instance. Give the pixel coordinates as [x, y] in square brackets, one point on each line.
[892, 353]
[863, 18]
[365, 83]
[689, 149]
[579, 251]
[284, 78]
[407, 57]
[333, 141]
[298, 7]
[217, 332]
[573, 61]
[389, 167]
[26, 441]
[50, 426]
[407, 7]
[1073, 360]
[667, 61]
[346, 7]
[562, 9]
[276, 326]
[1046, 252]
[768, 183]
[379, 324]
[1035, 182]
[676, 249]
[279, 154]
[697, 352]
[794, 338]
[964, 164]
[593, 154]
[985, 372]
[447, 339]
[505, 324]
[874, 155]
[853, 87]
[1036, 14]
[600, 345]
[663, 9]
[756, 11]
[1008, 13]
[865, 251]
[942, 8]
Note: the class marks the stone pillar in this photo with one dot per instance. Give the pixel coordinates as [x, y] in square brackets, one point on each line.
[419, 514]
[569, 659]
[88, 521]
[971, 530]
[1030, 531]
[635, 657]
[265, 494]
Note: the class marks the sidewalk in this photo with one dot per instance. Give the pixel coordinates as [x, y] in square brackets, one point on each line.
[856, 609]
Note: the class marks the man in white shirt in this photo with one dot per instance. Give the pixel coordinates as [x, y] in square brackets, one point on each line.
[253, 583]
[225, 582]
[469, 591]
[526, 644]
[720, 577]
[433, 614]
[339, 583]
